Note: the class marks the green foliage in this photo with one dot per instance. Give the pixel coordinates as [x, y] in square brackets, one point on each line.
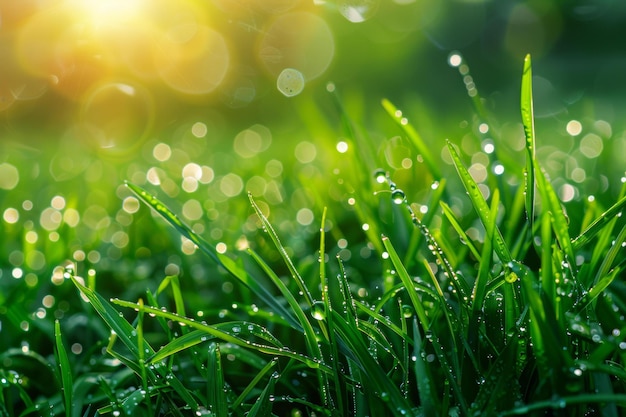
[516, 317]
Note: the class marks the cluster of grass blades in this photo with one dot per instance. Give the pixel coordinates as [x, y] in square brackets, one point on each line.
[526, 322]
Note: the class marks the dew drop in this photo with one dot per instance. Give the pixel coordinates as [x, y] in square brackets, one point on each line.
[318, 310]
[380, 175]
[407, 311]
[397, 196]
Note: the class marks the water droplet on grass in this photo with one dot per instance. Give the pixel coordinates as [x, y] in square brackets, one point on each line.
[380, 175]
[318, 310]
[397, 196]
[290, 82]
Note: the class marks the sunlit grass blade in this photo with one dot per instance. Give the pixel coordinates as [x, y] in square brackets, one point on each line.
[447, 211]
[230, 336]
[439, 188]
[67, 385]
[221, 259]
[609, 259]
[179, 344]
[599, 224]
[174, 283]
[551, 202]
[414, 136]
[142, 355]
[327, 305]
[528, 121]
[480, 205]
[482, 278]
[283, 253]
[408, 283]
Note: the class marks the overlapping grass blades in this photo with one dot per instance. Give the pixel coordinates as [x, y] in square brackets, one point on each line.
[479, 330]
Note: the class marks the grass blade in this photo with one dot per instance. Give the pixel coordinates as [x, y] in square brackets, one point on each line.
[263, 405]
[408, 283]
[598, 225]
[480, 205]
[283, 253]
[216, 397]
[415, 138]
[231, 336]
[559, 221]
[447, 211]
[244, 394]
[67, 384]
[528, 121]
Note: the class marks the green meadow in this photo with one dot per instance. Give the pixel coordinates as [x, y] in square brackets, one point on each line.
[312, 208]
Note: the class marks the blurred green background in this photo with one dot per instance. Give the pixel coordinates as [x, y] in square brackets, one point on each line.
[185, 99]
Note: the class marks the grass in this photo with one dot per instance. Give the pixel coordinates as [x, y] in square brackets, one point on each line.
[522, 316]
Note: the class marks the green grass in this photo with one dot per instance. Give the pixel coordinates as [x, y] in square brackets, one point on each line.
[521, 316]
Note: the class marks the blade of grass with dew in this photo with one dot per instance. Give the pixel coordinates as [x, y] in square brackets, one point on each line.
[596, 290]
[616, 247]
[461, 286]
[230, 337]
[327, 305]
[447, 211]
[263, 405]
[480, 205]
[216, 395]
[528, 121]
[410, 257]
[152, 301]
[142, 356]
[174, 283]
[559, 221]
[382, 320]
[423, 375]
[221, 259]
[190, 339]
[128, 335]
[257, 378]
[405, 312]
[415, 137]
[599, 224]
[408, 283]
[376, 335]
[67, 385]
[283, 253]
[482, 277]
